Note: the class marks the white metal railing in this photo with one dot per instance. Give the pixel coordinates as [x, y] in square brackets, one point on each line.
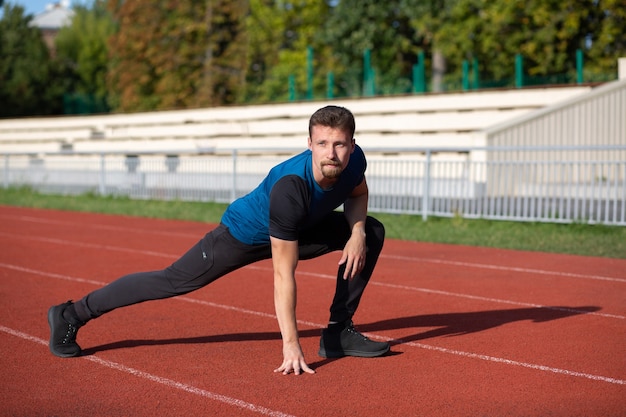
[446, 182]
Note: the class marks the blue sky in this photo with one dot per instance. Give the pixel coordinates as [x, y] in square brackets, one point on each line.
[37, 6]
[31, 6]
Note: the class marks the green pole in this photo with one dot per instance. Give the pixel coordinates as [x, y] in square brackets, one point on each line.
[367, 73]
[465, 81]
[309, 73]
[476, 85]
[292, 88]
[579, 66]
[519, 71]
[419, 80]
[330, 85]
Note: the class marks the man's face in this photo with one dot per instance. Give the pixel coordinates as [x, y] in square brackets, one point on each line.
[331, 150]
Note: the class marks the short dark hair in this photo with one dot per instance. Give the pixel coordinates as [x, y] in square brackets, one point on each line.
[333, 116]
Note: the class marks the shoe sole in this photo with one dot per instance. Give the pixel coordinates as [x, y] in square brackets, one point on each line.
[59, 354]
[354, 353]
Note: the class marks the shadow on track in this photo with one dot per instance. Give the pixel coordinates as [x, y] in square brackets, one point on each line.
[458, 324]
[451, 324]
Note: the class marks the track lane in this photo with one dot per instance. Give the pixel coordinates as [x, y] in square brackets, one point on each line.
[436, 370]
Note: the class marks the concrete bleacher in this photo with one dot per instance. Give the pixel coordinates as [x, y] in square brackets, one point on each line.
[431, 120]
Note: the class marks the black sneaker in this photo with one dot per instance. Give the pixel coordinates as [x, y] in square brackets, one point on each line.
[349, 342]
[62, 333]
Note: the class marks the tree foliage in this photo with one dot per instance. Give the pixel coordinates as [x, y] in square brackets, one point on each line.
[279, 35]
[28, 76]
[606, 38]
[380, 27]
[171, 54]
[81, 48]
[547, 33]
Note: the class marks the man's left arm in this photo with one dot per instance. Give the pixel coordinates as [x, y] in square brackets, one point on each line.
[355, 210]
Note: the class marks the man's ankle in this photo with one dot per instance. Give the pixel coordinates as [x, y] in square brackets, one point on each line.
[70, 315]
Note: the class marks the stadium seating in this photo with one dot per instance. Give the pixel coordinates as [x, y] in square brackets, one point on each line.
[399, 122]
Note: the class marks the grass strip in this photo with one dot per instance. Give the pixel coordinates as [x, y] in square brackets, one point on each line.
[576, 238]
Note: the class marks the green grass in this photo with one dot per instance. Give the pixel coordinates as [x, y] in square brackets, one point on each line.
[578, 239]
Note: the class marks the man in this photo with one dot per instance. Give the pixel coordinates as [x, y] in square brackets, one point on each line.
[289, 216]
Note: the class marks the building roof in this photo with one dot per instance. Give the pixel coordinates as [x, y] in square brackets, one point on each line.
[54, 17]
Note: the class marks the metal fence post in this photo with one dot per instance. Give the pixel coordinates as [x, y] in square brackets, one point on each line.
[103, 170]
[6, 171]
[233, 191]
[426, 186]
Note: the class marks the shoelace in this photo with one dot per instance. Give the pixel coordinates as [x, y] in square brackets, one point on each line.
[352, 330]
[70, 334]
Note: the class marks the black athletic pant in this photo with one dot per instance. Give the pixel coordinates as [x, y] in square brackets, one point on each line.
[219, 253]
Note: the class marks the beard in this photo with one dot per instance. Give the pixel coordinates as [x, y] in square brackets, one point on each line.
[331, 170]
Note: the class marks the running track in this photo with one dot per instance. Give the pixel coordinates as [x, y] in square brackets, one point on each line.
[474, 331]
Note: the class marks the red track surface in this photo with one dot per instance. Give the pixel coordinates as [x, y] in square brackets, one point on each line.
[474, 331]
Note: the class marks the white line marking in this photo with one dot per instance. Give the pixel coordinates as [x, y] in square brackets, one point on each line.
[452, 294]
[373, 336]
[330, 277]
[102, 226]
[517, 363]
[52, 275]
[405, 258]
[504, 268]
[383, 255]
[57, 241]
[498, 300]
[160, 380]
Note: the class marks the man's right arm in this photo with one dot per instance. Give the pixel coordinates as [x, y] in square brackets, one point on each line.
[285, 260]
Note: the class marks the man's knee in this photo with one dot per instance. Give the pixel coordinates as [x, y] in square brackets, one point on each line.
[375, 228]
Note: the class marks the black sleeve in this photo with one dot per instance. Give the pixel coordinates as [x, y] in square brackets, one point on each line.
[289, 203]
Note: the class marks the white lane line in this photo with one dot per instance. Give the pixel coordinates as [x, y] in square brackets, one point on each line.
[52, 275]
[374, 336]
[58, 241]
[504, 268]
[517, 363]
[331, 277]
[102, 226]
[235, 402]
[210, 226]
[460, 295]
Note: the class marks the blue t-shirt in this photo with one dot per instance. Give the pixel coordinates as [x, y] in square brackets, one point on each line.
[289, 200]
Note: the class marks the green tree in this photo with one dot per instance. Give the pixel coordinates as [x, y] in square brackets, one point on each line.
[547, 33]
[606, 41]
[279, 34]
[82, 50]
[171, 54]
[265, 31]
[385, 29]
[29, 83]
[427, 18]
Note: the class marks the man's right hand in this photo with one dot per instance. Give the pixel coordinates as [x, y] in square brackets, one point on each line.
[293, 360]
